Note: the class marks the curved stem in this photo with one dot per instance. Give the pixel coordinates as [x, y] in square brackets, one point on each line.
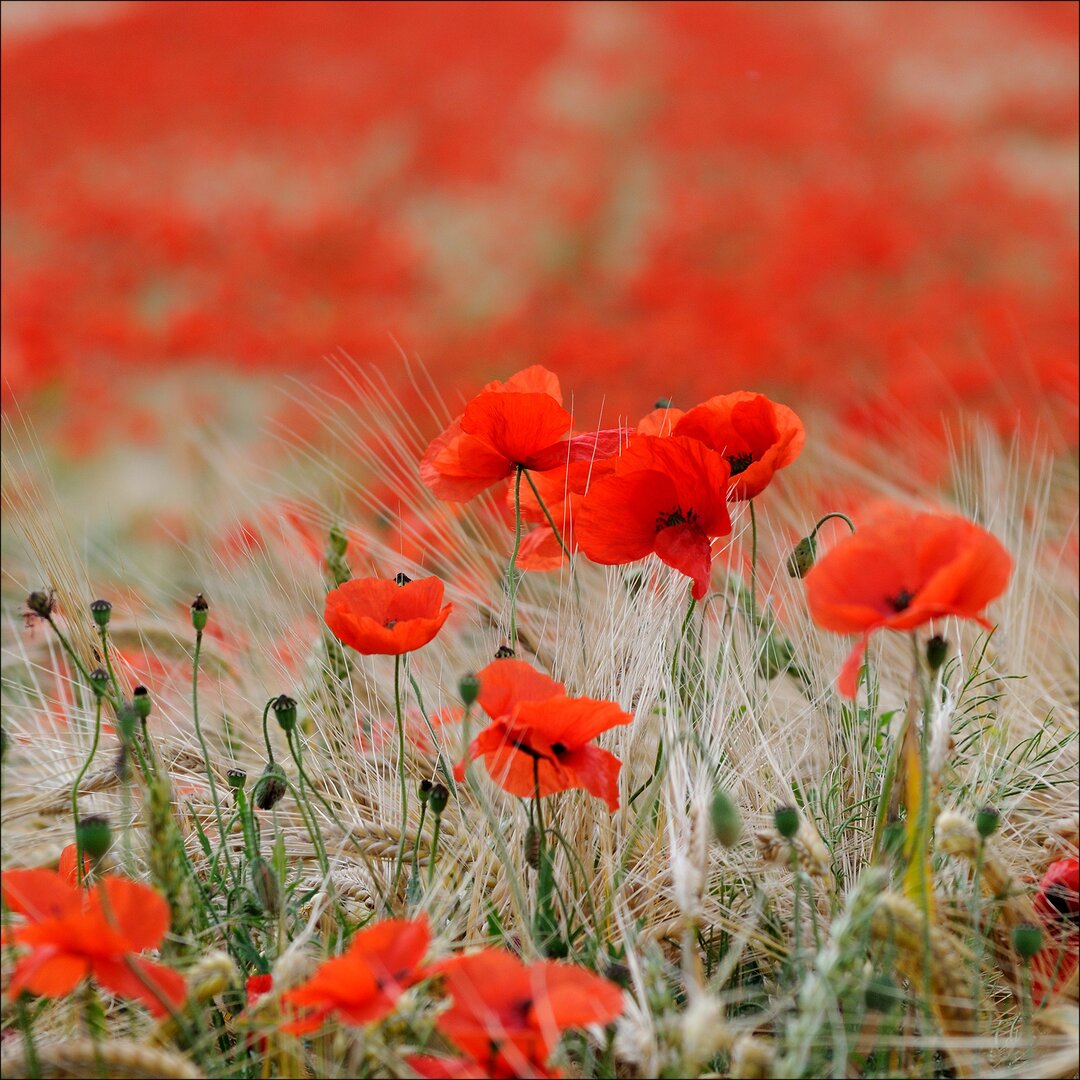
[108, 664]
[547, 513]
[266, 732]
[833, 514]
[511, 569]
[74, 657]
[75, 790]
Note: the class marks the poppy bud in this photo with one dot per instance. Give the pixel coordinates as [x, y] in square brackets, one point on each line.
[439, 797]
[726, 823]
[504, 652]
[101, 610]
[264, 884]
[237, 779]
[532, 847]
[402, 579]
[338, 542]
[987, 820]
[1027, 940]
[199, 613]
[270, 788]
[94, 835]
[802, 557]
[937, 648]
[140, 699]
[469, 689]
[425, 790]
[882, 994]
[664, 403]
[41, 603]
[285, 712]
[786, 820]
[99, 681]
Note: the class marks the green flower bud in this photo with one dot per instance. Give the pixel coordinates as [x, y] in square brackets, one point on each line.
[726, 822]
[338, 542]
[438, 798]
[937, 648]
[270, 788]
[237, 778]
[531, 845]
[802, 557]
[786, 820]
[987, 820]
[664, 403]
[264, 884]
[425, 790]
[140, 700]
[94, 835]
[199, 612]
[102, 611]
[469, 689]
[99, 681]
[285, 712]
[1027, 940]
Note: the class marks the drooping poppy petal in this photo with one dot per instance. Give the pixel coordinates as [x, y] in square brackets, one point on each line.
[158, 987]
[504, 683]
[378, 617]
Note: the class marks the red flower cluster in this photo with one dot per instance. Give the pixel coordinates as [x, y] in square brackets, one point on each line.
[74, 933]
[901, 571]
[540, 738]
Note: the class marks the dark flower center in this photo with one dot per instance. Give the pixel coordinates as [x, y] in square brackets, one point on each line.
[901, 601]
[740, 462]
[558, 749]
[675, 517]
[1062, 901]
[390, 624]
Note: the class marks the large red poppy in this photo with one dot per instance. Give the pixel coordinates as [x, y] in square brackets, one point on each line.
[1058, 904]
[902, 571]
[379, 617]
[74, 933]
[756, 435]
[516, 424]
[541, 735]
[363, 984]
[666, 497]
[508, 1016]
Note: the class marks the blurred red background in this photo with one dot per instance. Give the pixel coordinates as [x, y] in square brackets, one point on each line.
[870, 206]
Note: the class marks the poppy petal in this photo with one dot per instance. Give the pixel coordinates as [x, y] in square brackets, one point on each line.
[136, 911]
[155, 985]
[848, 681]
[687, 549]
[48, 972]
[503, 683]
[518, 426]
[40, 894]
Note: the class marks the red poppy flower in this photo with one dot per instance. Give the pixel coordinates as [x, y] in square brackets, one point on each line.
[902, 571]
[517, 424]
[363, 984]
[378, 617]
[540, 734]
[74, 933]
[1058, 905]
[508, 1016]
[756, 435]
[68, 867]
[666, 497]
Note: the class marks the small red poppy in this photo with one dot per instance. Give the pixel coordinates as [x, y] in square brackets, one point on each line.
[666, 497]
[756, 435]
[902, 571]
[1058, 905]
[379, 617]
[363, 984]
[540, 735]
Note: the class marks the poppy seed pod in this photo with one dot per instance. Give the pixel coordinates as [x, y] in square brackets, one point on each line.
[424, 792]
[402, 579]
[99, 681]
[271, 786]
[504, 652]
[786, 820]
[102, 611]
[937, 648]
[285, 712]
[94, 835]
[199, 612]
[469, 689]
[41, 603]
[987, 820]
[140, 699]
[802, 557]
[1027, 940]
[237, 778]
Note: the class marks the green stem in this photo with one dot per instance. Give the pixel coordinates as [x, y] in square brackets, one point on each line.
[416, 843]
[511, 569]
[266, 732]
[434, 849]
[401, 770]
[833, 514]
[74, 657]
[108, 664]
[222, 837]
[547, 514]
[75, 789]
[797, 916]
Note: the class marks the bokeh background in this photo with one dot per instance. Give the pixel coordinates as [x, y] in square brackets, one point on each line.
[868, 210]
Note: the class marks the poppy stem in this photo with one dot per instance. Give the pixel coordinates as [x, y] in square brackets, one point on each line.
[222, 839]
[511, 569]
[75, 791]
[833, 514]
[266, 731]
[547, 514]
[401, 764]
[74, 657]
[108, 664]
[753, 574]
[435, 829]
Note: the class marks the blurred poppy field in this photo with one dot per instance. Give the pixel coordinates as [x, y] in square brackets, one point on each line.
[609, 320]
